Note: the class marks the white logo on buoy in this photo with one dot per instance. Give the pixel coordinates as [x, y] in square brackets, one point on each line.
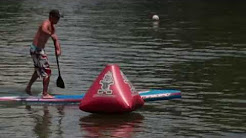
[132, 88]
[106, 82]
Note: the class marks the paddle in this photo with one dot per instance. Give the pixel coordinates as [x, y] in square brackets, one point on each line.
[59, 81]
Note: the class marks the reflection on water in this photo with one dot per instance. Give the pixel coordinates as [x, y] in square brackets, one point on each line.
[98, 125]
[43, 122]
[112, 125]
[197, 47]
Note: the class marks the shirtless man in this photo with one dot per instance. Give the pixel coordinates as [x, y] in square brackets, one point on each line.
[41, 64]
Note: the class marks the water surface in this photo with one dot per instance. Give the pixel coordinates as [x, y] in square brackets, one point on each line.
[197, 47]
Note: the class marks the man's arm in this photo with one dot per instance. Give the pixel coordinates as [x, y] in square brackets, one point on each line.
[45, 29]
[56, 44]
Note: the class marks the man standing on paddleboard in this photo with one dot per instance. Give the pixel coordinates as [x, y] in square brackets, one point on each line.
[40, 59]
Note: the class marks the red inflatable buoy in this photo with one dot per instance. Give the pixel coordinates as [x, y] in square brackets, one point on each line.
[111, 92]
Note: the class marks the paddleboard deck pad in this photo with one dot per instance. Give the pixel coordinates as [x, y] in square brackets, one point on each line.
[149, 95]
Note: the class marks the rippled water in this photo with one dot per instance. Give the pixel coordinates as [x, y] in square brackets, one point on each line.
[197, 47]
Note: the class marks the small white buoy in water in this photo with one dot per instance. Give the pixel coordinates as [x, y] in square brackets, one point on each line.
[155, 17]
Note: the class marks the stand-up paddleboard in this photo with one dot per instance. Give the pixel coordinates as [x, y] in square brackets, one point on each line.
[155, 95]
[150, 95]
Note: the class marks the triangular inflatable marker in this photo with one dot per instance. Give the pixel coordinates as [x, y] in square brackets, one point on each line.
[111, 92]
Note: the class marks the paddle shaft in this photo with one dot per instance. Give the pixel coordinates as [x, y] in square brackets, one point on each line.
[59, 81]
[57, 61]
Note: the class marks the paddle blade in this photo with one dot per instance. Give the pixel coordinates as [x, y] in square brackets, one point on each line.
[60, 83]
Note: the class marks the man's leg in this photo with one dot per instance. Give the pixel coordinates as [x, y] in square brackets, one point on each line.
[46, 81]
[32, 80]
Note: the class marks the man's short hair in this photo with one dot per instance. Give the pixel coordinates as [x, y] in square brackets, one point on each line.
[55, 13]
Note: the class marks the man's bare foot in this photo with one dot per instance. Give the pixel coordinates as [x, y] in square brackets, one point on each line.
[28, 90]
[47, 96]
